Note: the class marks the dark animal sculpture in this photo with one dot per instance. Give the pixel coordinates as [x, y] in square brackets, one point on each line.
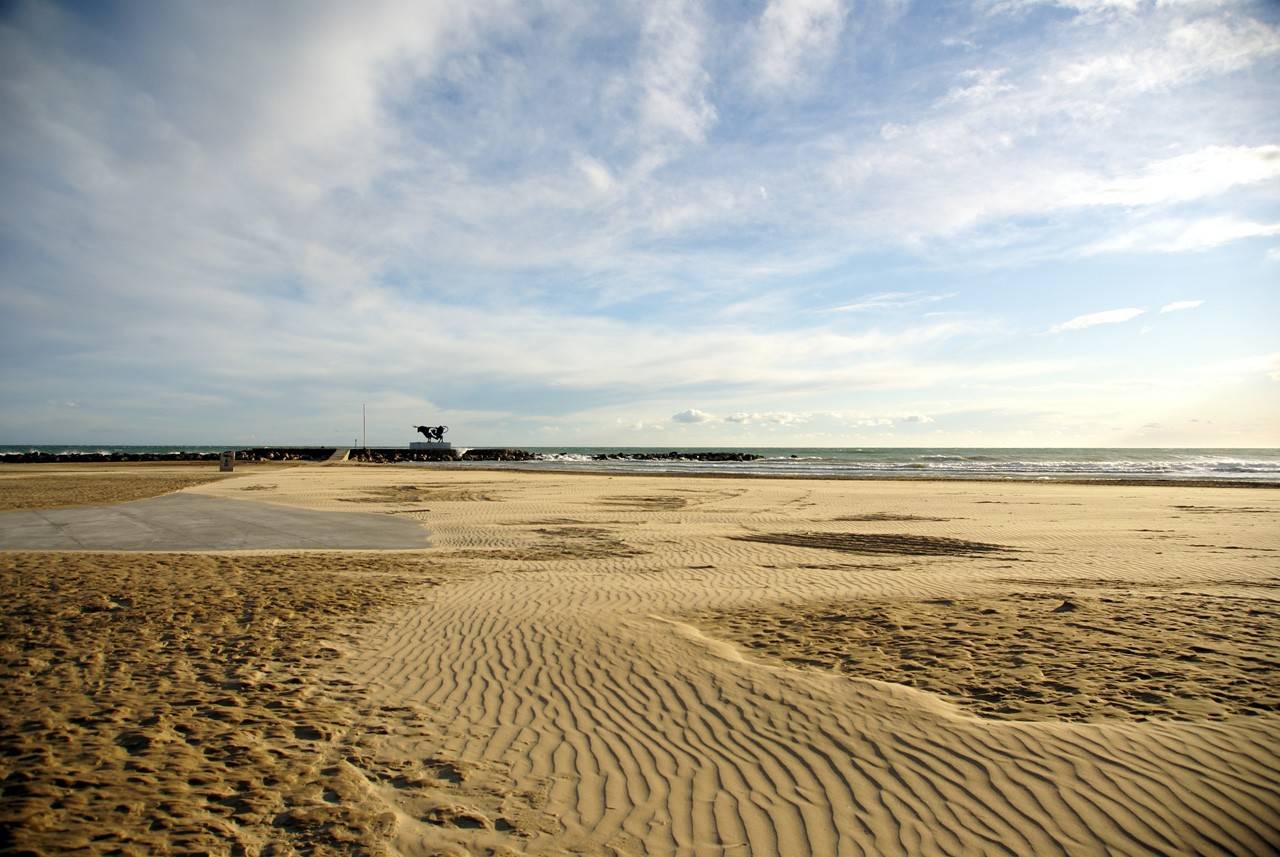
[432, 432]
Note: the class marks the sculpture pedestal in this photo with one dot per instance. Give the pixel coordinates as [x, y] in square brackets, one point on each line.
[442, 445]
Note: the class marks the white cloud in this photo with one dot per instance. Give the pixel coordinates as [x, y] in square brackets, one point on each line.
[1187, 51]
[1196, 175]
[1177, 306]
[980, 85]
[674, 81]
[597, 174]
[1182, 236]
[794, 39]
[780, 418]
[1075, 133]
[1111, 316]
[692, 415]
[886, 301]
[1206, 234]
[1087, 7]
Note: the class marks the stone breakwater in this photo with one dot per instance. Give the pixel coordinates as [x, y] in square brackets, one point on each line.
[393, 455]
[274, 453]
[380, 455]
[676, 456]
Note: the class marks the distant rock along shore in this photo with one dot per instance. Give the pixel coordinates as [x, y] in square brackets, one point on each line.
[388, 456]
[258, 454]
[382, 455]
[676, 456]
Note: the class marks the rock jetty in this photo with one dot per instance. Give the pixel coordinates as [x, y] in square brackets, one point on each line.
[676, 456]
[393, 455]
[380, 455]
[273, 453]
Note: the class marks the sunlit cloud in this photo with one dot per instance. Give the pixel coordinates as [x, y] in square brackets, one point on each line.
[776, 418]
[1181, 236]
[692, 415]
[1203, 173]
[1178, 306]
[1111, 316]
[887, 301]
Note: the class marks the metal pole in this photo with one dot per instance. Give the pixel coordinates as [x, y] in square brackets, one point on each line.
[364, 432]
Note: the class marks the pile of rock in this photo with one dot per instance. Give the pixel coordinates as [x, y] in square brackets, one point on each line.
[676, 456]
[281, 453]
[394, 455]
[265, 453]
[96, 457]
[498, 455]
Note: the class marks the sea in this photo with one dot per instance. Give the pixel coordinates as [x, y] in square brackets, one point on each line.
[1253, 465]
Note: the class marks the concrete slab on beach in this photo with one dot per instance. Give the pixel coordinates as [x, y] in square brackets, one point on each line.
[198, 522]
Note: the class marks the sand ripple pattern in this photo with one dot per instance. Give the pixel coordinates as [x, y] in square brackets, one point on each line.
[649, 738]
[633, 733]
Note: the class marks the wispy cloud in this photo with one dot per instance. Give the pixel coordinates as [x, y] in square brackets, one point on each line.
[1178, 306]
[674, 80]
[967, 165]
[1087, 7]
[793, 40]
[1182, 236]
[1111, 316]
[776, 418]
[1187, 50]
[980, 84]
[1206, 172]
[889, 301]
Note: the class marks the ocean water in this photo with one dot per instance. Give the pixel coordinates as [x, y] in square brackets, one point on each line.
[1260, 465]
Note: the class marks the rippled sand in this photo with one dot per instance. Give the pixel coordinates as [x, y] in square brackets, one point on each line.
[633, 665]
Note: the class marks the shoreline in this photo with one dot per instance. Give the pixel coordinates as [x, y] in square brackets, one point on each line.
[16, 468]
[1121, 481]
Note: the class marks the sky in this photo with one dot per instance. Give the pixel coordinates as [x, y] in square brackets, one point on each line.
[662, 223]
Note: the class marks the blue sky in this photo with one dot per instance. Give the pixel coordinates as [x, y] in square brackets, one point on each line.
[794, 222]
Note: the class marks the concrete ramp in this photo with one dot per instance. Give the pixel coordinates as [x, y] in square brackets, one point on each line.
[180, 522]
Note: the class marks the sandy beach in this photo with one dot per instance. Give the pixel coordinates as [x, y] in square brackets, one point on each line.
[610, 664]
